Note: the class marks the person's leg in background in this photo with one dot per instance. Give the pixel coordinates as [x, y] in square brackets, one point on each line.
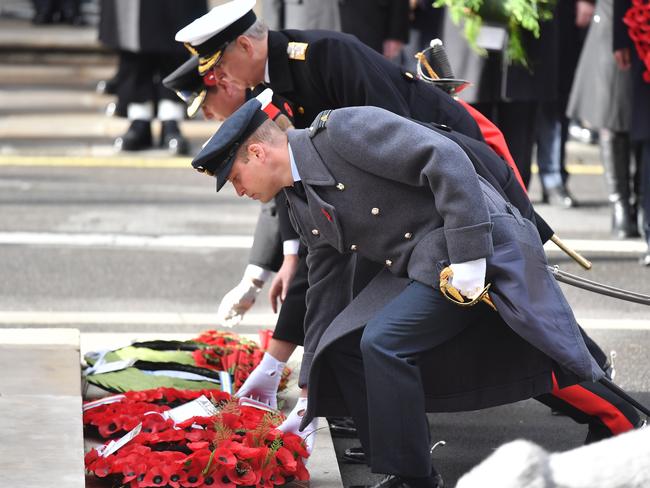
[616, 155]
[645, 196]
[549, 156]
[516, 120]
[136, 93]
[170, 110]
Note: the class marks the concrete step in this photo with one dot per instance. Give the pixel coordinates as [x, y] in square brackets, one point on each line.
[22, 35]
[40, 409]
[53, 77]
[18, 100]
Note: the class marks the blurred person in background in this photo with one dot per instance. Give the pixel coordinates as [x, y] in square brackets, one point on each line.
[552, 124]
[302, 14]
[635, 57]
[425, 24]
[381, 24]
[508, 93]
[142, 31]
[601, 99]
[57, 11]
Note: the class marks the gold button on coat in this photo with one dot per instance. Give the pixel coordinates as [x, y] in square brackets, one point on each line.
[375, 211]
[389, 263]
[315, 232]
[301, 110]
[353, 247]
[340, 186]
[408, 235]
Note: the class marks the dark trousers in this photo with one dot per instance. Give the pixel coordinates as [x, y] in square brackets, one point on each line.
[516, 120]
[644, 164]
[141, 75]
[389, 409]
[378, 375]
[290, 324]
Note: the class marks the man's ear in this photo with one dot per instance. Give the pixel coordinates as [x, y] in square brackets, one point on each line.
[246, 45]
[256, 150]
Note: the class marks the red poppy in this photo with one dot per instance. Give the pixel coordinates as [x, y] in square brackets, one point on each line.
[155, 476]
[196, 446]
[286, 459]
[191, 478]
[225, 457]
[242, 474]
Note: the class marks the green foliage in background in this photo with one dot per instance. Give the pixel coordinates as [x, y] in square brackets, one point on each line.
[514, 15]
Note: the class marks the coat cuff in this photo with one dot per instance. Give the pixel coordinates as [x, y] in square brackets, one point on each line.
[469, 243]
[305, 367]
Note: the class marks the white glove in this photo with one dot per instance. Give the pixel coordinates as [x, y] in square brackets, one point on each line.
[262, 384]
[469, 277]
[237, 302]
[292, 423]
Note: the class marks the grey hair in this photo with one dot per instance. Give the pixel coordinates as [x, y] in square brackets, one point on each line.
[257, 31]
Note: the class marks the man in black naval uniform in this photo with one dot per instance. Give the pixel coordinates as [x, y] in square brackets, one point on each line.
[316, 70]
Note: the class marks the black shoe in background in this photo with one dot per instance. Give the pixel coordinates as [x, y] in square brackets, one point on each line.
[172, 139]
[137, 138]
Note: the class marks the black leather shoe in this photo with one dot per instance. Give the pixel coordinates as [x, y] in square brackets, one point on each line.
[354, 455]
[559, 196]
[393, 481]
[172, 139]
[342, 428]
[138, 137]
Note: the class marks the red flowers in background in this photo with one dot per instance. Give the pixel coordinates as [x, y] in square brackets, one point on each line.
[239, 446]
[229, 352]
[637, 18]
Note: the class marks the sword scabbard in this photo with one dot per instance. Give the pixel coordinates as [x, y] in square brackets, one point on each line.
[585, 263]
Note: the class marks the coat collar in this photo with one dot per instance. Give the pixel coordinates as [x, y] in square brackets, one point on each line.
[278, 60]
[309, 163]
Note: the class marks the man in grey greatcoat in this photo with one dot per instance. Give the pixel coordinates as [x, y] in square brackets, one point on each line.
[362, 181]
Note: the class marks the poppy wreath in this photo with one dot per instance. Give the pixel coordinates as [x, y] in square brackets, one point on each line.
[637, 19]
[229, 352]
[147, 406]
[206, 355]
[240, 446]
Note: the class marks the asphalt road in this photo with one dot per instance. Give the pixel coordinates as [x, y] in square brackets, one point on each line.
[88, 239]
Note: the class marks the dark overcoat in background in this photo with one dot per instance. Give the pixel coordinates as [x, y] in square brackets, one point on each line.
[495, 81]
[394, 192]
[374, 21]
[147, 26]
[640, 121]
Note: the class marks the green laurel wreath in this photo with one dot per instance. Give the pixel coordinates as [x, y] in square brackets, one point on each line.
[515, 15]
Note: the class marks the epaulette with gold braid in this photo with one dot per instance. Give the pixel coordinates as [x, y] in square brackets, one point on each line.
[297, 50]
[319, 123]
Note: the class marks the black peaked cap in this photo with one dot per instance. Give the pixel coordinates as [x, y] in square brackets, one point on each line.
[218, 155]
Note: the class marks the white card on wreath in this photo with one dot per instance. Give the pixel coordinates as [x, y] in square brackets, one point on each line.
[103, 401]
[201, 407]
[113, 366]
[113, 446]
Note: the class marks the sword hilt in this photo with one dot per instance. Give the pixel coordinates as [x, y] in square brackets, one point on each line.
[585, 263]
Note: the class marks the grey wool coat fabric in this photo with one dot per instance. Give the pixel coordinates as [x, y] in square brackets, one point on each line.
[392, 191]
